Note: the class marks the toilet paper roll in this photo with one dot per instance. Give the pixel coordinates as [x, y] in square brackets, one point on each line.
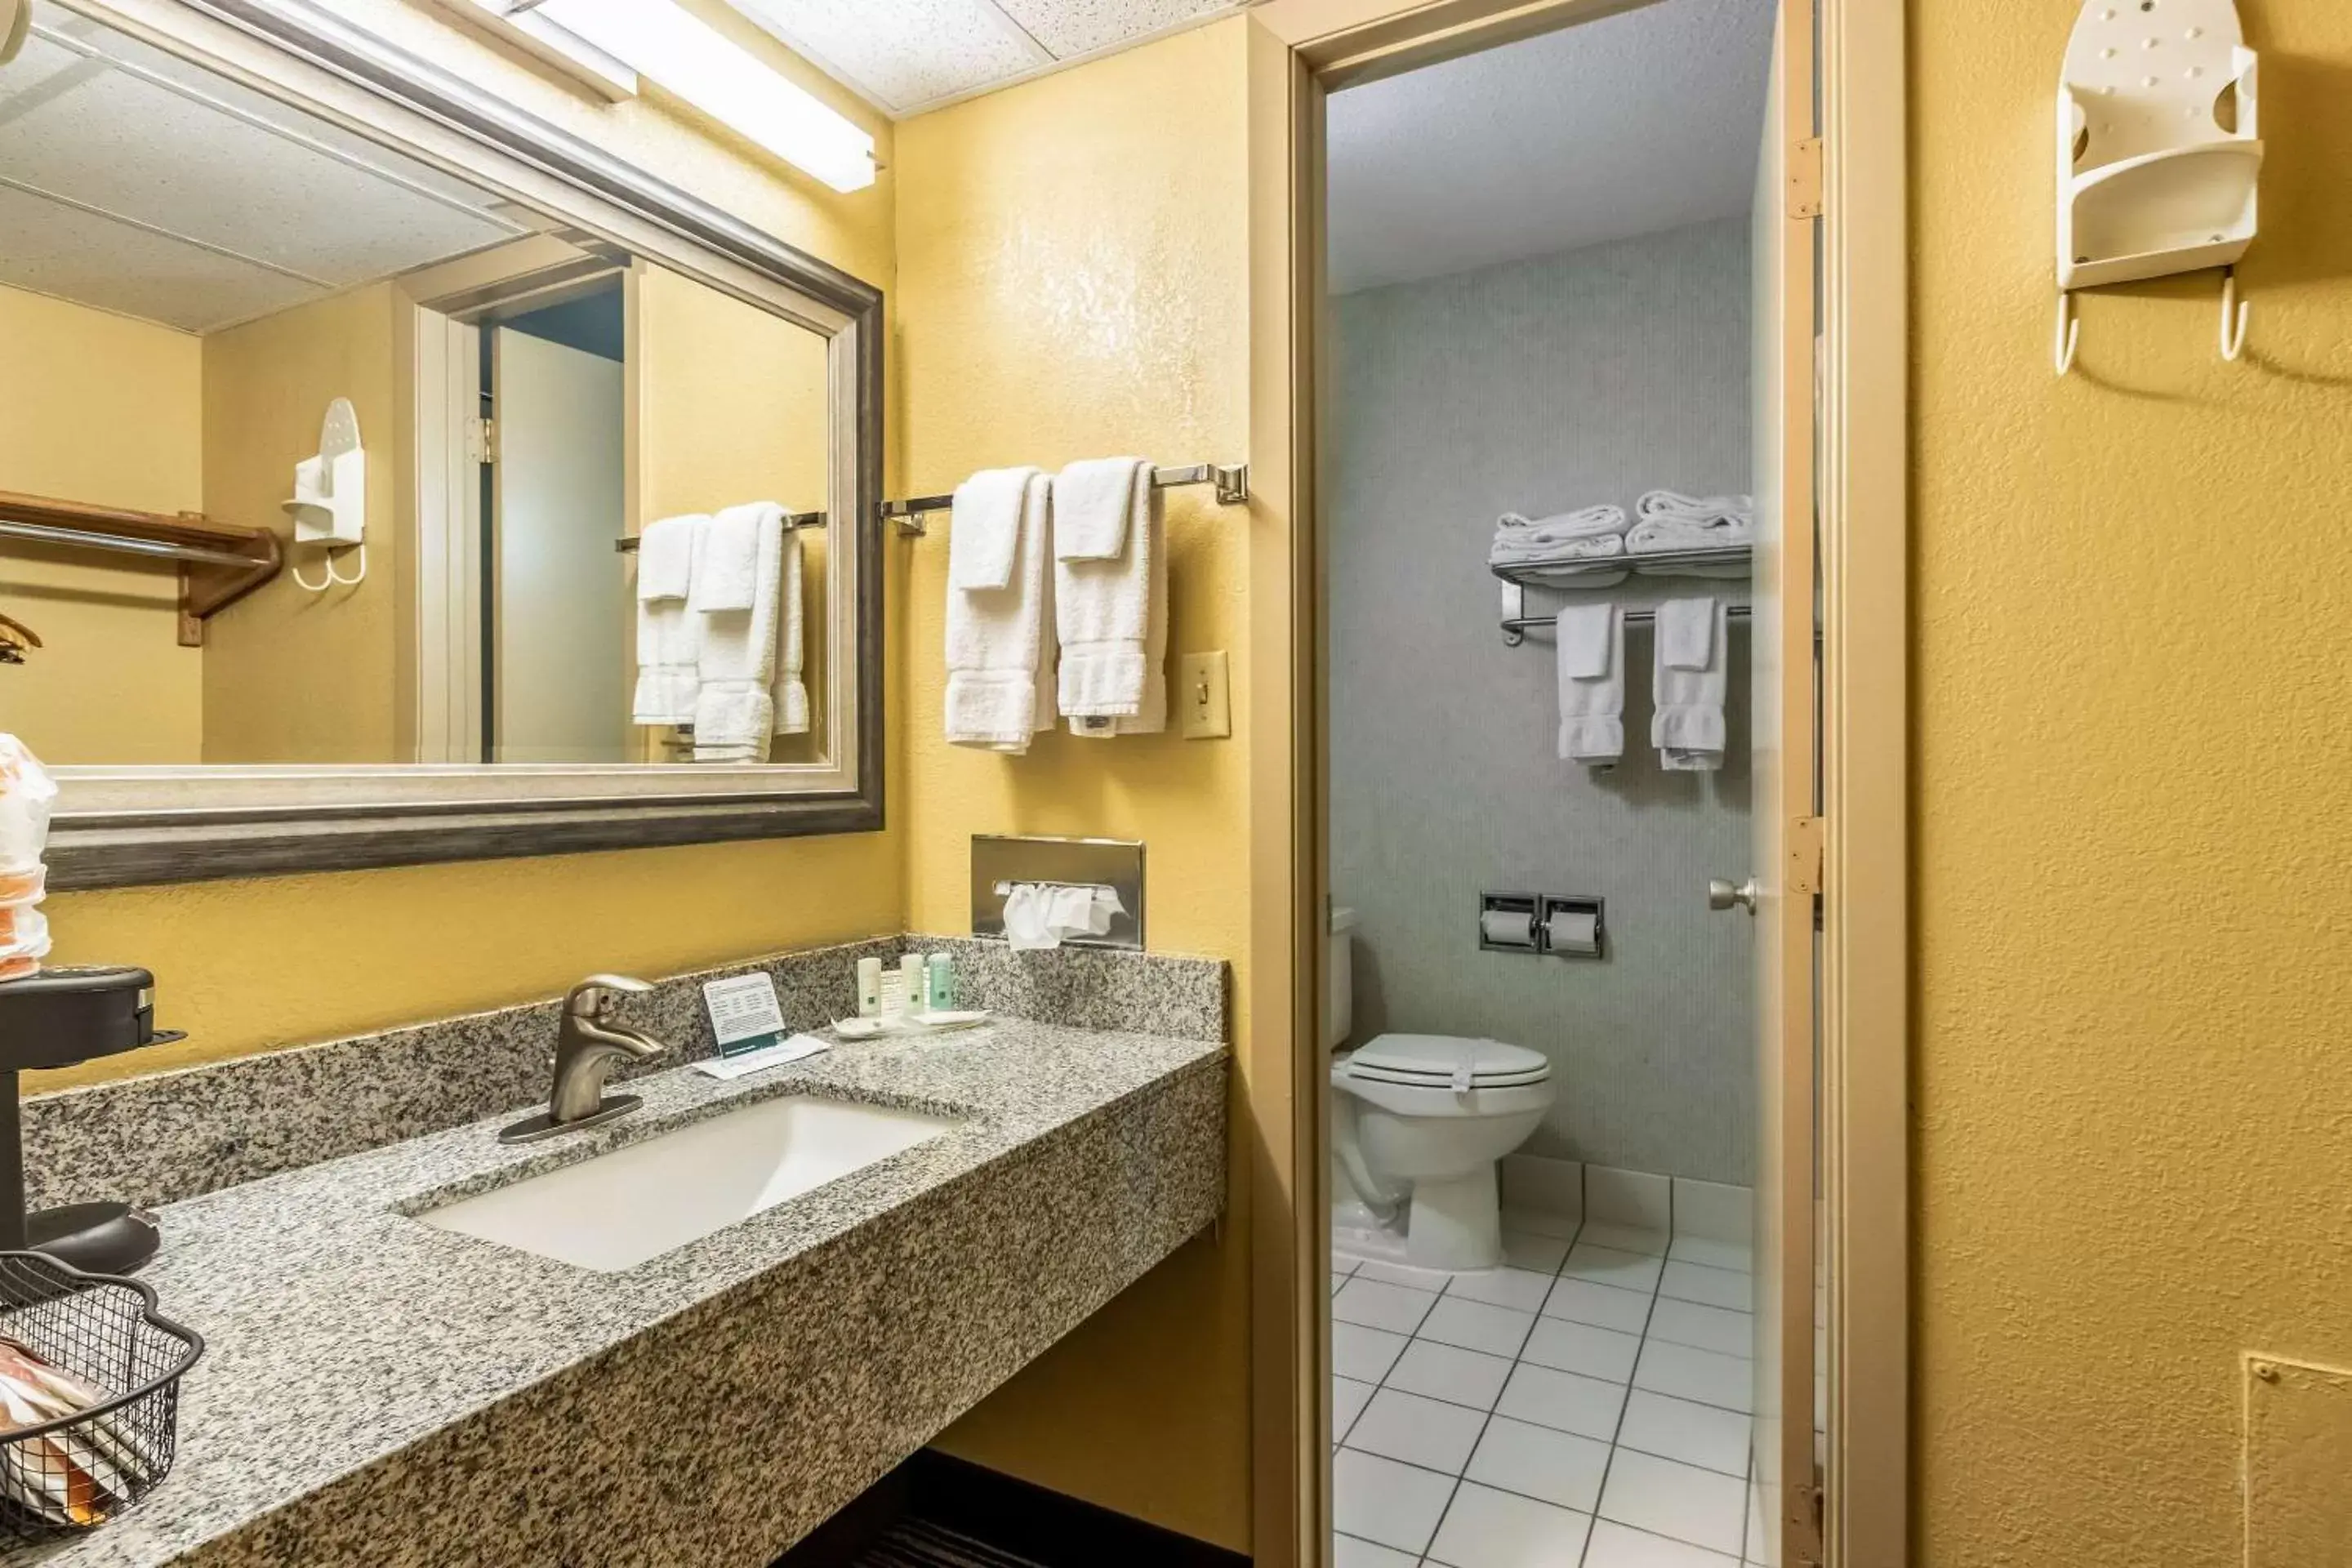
[1508, 927]
[1575, 932]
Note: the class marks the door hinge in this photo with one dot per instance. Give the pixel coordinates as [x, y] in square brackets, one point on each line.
[482, 440]
[1806, 854]
[1805, 178]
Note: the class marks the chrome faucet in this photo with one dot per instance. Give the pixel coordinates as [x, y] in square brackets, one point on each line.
[587, 1049]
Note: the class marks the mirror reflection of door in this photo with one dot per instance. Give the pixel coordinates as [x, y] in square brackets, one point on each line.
[557, 606]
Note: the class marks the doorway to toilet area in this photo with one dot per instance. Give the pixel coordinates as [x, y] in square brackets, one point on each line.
[1581, 584]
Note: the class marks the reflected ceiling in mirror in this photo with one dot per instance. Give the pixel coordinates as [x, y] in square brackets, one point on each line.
[395, 436]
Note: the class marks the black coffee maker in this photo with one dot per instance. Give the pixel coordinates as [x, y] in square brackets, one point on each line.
[55, 1019]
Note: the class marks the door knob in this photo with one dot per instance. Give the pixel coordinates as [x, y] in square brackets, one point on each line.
[1723, 895]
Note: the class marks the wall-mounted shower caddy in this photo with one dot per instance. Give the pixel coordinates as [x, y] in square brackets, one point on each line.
[2157, 153]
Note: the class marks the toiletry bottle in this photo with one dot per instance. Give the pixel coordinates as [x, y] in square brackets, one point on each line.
[941, 972]
[910, 968]
[869, 987]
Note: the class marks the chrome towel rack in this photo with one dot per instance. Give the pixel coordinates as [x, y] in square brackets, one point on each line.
[1232, 480]
[1729, 565]
[792, 519]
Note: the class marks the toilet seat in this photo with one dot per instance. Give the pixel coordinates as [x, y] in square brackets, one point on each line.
[1445, 1062]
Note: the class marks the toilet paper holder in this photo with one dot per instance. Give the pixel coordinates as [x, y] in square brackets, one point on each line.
[1564, 926]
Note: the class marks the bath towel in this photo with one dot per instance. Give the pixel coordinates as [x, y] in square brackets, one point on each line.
[669, 640]
[1688, 724]
[1000, 654]
[1094, 501]
[1113, 619]
[734, 710]
[984, 528]
[789, 695]
[1592, 669]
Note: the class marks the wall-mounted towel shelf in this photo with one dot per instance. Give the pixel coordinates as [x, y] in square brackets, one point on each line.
[792, 519]
[1232, 480]
[219, 563]
[1721, 562]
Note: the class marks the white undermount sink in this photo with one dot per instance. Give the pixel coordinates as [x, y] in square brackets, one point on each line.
[614, 1211]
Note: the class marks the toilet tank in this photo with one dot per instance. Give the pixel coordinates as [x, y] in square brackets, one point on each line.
[1340, 980]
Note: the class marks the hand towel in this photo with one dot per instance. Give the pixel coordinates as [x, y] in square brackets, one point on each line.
[1000, 661]
[984, 528]
[1094, 501]
[669, 635]
[1112, 616]
[1592, 683]
[727, 573]
[789, 695]
[1686, 629]
[734, 711]
[1687, 725]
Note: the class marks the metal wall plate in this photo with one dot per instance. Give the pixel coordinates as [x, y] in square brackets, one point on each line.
[1000, 860]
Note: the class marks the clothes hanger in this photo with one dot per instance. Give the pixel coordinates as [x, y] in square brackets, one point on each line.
[16, 637]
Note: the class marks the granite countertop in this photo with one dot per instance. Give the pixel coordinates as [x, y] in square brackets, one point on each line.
[378, 1390]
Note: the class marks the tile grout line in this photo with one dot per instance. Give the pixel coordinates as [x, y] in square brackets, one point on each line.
[1611, 1462]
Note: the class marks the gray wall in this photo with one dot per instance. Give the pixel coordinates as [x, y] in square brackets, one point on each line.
[1538, 387]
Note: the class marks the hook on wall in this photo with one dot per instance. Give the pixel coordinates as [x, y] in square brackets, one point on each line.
[2234, 312]
[2066, 335]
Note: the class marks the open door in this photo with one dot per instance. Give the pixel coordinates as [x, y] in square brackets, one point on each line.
[1786, 877]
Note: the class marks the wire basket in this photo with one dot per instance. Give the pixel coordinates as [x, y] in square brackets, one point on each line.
[105, 1336]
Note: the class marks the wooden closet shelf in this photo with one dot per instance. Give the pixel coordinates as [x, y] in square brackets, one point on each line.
[219, 563]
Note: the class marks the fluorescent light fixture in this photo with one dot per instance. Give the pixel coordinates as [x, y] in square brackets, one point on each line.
[518, 22]
[693, 61]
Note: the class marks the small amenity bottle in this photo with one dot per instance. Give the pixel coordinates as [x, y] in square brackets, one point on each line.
[939, 993]
[869, 987]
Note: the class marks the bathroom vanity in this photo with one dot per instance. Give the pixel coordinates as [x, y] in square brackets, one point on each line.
[382, 1390]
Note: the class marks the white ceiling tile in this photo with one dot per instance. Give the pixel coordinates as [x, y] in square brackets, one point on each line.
[1068, 28]
[903, 53]
[91, 260]
[1636, 122]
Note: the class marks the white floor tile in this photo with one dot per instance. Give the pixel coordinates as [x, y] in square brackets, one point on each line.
[1364, 1354]
[1701, 1434]
[1349, 1399]
[1432, 1281]
[1475, 1326]
[1425, 1432]
[1623, 1238]
[1386, 1503]
[1343, 1265]
[1562, 1401]
[1605, 1306]
[1451, 1374]
[1488, 1528]
[1373, 1305]
[1714, 1210]
[1608, 1266]
[1708, 1287]
[1732, 1255]
[1532, 1250]
[1616, 1546]
[1628, 1197]
[1338, 1280]
[1579, 1347]
[1536, 1461]
[1523, 1288]
[1756, 1513]
[1697, 1507]
[1708, 1327]
[1346, 1552]
[1724, 1381]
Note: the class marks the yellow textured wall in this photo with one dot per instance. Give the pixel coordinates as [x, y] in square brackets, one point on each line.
[2134, 628]
[99, 408]
[1073, 282]
[244, 966]
[291, 675]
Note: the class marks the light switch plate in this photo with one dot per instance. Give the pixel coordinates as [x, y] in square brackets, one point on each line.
[1200, 688]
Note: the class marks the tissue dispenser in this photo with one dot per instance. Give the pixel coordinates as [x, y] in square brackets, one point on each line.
[1565, 926]
[1001, 862]
[54, 1019]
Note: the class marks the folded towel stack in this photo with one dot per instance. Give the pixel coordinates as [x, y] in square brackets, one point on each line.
[1668, 519]
[1688, 684]
[1594, 530]
[1000, 606]
[1111, 598]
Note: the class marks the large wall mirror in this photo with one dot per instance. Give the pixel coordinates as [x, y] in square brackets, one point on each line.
[338, 404]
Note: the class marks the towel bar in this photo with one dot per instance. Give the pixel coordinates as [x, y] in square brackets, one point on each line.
[1232, 480]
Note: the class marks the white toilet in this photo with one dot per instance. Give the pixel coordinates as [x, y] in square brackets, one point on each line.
[1418, 1123]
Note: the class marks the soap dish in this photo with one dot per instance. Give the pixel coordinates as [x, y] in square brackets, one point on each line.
[932, 1023]
[905, 1024]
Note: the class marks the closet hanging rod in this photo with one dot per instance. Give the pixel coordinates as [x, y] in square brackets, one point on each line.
[1232, 480]
[792, 519]
[154, 549]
